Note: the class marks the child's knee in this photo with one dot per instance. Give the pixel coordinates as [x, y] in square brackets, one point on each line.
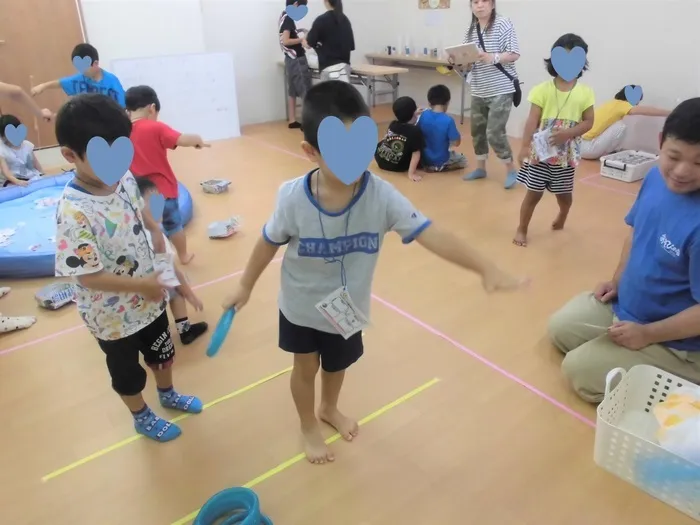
[307, 365]
[128, 378]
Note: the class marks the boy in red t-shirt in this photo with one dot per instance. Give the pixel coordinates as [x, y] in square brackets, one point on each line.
[152, 140]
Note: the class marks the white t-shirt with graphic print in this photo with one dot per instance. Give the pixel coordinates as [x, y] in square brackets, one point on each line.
[315, 236]
[19, 160]
[106, 233]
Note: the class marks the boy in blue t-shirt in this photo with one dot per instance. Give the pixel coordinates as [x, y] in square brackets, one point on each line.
[334, 232]
[440, 134]
[648, 313]
[93, 80]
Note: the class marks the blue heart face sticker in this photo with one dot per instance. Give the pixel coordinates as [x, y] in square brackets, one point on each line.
[296, 13]
[568, 64]
[157, 204]
[110, 163]
[347, 152]
[82, 64]
[634, 94]
[16, 135]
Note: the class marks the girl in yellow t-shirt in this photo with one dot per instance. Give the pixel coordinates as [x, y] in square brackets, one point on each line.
[608, 129]
[560, 113]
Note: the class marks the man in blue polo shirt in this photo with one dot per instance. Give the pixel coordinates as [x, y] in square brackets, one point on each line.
[649, 312]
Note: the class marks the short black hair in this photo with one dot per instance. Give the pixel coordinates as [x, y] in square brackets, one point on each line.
[298, 2]
[620, 95]
[145, 185]
[90, 115]
[683, 123]
[8, 120]
[332, 98]
[568, 42]
[404, 109]
[439, 95]
[138, 97]
[85, 50]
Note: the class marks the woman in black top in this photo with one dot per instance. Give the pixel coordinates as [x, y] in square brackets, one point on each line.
[332, 37]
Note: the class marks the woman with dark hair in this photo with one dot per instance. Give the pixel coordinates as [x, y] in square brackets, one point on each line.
[608, 129]
[493, 86]
[332, 37]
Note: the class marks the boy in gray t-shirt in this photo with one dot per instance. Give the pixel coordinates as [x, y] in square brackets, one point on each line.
[334, 233]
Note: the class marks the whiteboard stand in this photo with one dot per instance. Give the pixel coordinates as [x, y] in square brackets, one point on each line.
[197, 92]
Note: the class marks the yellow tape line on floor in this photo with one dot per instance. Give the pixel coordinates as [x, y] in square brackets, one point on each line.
[136, 437]
[299, 457]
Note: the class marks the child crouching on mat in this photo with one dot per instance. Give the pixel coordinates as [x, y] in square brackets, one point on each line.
[561, 112]
[324, 221]
[18, 164]
[178, 306]
[101, 242]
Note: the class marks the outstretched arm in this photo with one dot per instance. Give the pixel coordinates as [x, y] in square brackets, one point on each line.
[20, 96]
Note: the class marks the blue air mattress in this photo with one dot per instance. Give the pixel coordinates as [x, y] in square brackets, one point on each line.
[28, 226]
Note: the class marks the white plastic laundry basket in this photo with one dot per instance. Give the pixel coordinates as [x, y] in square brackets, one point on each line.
[626, 436]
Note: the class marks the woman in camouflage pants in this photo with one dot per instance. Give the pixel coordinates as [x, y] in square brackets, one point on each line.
[492, 91]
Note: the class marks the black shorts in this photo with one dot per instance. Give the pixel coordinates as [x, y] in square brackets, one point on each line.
[336, 352]
[153, 342]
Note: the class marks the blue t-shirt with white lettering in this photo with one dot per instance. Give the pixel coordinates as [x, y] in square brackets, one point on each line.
[315, 237]
[108, 85]
[439, 130]
[662, 276]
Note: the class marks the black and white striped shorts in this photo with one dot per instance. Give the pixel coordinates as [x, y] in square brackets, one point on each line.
[542, 176]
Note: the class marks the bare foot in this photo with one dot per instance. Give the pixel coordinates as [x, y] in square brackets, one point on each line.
[346, 427]
[315, 448]
[559, 222]
[520, 239]
[187, 258]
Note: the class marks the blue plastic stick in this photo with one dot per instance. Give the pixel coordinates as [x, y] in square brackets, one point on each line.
[235, 506]
[220, 332]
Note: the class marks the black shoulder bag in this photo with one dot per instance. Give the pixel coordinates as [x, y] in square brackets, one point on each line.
[518, 95]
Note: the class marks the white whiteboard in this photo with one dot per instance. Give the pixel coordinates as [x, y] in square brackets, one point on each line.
[197, 92]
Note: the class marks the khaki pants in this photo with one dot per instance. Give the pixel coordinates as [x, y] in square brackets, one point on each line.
[579, 329]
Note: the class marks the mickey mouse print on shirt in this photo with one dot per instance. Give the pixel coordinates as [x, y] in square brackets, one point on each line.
[105, 233]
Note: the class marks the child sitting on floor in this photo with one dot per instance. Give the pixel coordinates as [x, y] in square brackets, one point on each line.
[400, 149]
[152, 140]
[440, 134]
[178, 306]
[561, 112]
[18, 164]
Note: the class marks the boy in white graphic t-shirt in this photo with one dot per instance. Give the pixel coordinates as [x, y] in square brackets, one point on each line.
[101, 241]
[334, 233]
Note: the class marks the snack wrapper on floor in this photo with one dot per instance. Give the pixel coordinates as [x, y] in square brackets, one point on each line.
[223, 229]
[679, 419]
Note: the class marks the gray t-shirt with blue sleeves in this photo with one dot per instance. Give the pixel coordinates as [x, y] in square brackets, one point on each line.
[318, 240]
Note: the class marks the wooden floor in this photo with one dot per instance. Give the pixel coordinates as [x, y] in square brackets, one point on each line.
[498, 439]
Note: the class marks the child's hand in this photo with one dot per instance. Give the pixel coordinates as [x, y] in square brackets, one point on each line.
[151, 288]
[237, 299]
[37, 90]
[22, 183]
[558, 137]
[523, 155]
[415, 177]
[201, 144]
[191, 297]
[47, 115]
[495, 280]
